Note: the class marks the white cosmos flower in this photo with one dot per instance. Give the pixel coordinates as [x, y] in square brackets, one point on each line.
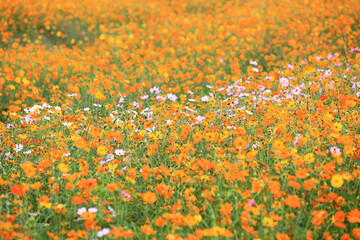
[103, 232]
[18, 147]
[120, 152]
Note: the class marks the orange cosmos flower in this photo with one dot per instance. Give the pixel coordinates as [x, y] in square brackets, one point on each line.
[275, 189]
[309, 184]
[225, 212]
[354, 216]
[145, 172]
[293, 201]
[149, 197]
[309, 235]
[319, 217]
[29, 169]
[5, 225]
[356, 233]
[173, 237]
[339, 218]
[118, 136]
[301, 173]
[164, 190]
[160, 221]
[17, 190]
[282, 236]
[77, 200]
[112, 187]
[147, 230]
[256, 187]
[327, 236]
[294, 184]
[240, 143]
[81, 143]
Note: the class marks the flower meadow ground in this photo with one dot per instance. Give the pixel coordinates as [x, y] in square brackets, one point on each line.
[185, 119]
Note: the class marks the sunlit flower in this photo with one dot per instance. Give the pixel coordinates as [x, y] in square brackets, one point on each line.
[120, 152]
[103, 232]
[337, 181]
[18, 148]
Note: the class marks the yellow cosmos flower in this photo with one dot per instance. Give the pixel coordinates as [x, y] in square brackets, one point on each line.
[100, 96]
[101, 150]
[328, 117]
[112, 166]
[337, 181]
[337, 127]
[268, 222]
[309, 158]
[46, 204]
[197, 219]
[63, 168]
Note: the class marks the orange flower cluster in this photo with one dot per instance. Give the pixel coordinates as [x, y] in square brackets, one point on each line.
[179, 119]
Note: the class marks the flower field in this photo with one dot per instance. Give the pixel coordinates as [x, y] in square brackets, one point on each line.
[167, 119]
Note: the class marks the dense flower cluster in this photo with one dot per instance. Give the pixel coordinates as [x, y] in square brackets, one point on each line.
[179, 119]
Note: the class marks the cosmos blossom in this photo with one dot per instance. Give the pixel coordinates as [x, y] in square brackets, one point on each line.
[17, 190]
[252, 203]
[184, 120]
